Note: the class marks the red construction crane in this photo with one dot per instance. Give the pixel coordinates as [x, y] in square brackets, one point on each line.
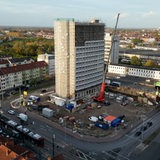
[101, 97]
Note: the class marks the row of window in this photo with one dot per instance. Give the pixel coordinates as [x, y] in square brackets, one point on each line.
[134, 71]
[86, 85]
[88, 65]
[86, 71]
[90, 51]
[99, 42]
[88, 77]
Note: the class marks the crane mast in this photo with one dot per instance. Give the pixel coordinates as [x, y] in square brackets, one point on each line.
[101, 97]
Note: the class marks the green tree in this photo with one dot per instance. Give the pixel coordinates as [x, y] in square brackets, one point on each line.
[137, 41]
[135, 61]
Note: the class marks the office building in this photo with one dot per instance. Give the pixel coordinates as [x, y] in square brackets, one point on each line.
[79, 57]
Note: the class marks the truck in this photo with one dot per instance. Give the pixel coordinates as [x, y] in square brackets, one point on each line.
[108, 81]
[46, 112]
[23, 117]
[102, 125]
[116, 122]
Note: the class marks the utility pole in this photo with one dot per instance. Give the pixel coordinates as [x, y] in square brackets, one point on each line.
[53, 145]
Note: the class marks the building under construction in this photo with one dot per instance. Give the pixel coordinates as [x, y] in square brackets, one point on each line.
[79, 57]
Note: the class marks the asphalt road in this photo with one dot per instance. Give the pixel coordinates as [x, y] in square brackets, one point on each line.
[134, 82]
[152, 152]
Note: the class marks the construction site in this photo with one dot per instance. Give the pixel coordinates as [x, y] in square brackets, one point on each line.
[119, 113]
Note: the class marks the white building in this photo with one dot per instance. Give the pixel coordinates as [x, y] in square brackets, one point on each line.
[79, 57]
[117, 69]
[49, 59]
[135, 71]
[111, 55]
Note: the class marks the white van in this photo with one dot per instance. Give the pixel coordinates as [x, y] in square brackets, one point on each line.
[23, 117]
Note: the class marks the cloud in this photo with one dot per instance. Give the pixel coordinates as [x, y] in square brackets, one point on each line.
[124, 15]
[149, 14]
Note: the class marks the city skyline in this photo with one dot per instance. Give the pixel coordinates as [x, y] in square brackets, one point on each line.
[144, 14]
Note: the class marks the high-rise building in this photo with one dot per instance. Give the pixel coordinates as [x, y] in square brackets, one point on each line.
[79, 57]
[111, 54]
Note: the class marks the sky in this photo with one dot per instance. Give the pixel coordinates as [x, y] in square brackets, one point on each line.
[43, 13]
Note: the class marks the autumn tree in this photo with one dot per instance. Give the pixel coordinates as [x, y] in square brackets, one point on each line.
[24, 47]
[150, 63]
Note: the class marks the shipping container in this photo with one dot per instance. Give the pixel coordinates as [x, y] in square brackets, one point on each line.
[46, 112]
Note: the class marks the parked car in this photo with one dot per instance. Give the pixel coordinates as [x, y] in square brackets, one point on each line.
[42, 92]
[1, 131]
[93, 119]
[149, 124]
[138, 133]
[12, 112]
[25, 130]
[7, 94]
[143, 128]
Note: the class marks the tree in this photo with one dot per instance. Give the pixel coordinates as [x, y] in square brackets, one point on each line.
[136, 61]
[150, 63]
[137, 41]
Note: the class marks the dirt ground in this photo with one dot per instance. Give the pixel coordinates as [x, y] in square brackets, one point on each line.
[78, 120]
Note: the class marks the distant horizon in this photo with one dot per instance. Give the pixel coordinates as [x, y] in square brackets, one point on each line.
[21, 26]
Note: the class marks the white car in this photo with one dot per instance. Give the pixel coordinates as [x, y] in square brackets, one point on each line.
[93, 119]
[12, 112]
[25, 130]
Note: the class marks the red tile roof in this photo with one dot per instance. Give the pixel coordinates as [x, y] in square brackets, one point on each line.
[19, 68]
[10, 151]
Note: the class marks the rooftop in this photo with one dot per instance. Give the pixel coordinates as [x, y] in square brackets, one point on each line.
[23, 67]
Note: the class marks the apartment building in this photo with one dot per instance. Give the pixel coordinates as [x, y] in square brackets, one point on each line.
[9, 61]
[11, 151]
[79, 57]
[15, 76]
[49, 59]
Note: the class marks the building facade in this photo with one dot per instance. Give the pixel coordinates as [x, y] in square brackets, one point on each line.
[16, 76]
[49, 59]
[151, 73]
[111, 54]
[79, 57]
